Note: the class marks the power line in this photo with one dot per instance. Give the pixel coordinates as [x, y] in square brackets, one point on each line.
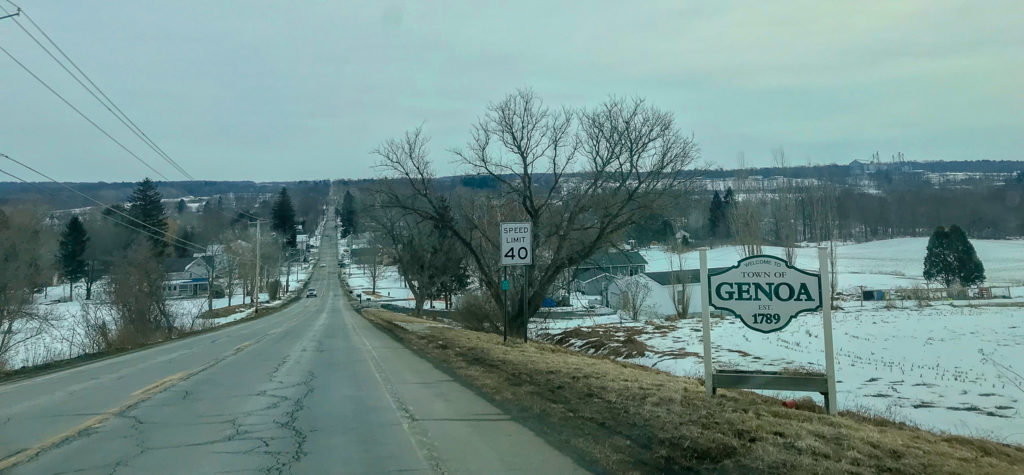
[195, 247]
[94, 124]
[119, 115]
[104, 215]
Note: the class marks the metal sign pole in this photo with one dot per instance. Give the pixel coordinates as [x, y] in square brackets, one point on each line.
[705, 308]
[826, 316]
[504, 302]
[526, 285]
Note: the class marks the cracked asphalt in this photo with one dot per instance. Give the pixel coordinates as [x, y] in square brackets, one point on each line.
[313, 388]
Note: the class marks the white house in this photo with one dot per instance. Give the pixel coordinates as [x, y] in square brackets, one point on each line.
[667, 290]
[187, 276]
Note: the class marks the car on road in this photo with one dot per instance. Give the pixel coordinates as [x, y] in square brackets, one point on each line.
[310, 293]
[323, 265]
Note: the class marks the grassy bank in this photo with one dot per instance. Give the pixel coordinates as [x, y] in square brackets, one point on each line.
[626, 418]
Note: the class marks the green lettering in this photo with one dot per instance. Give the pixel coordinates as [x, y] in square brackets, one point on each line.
[761, 291]
[743, 291]
[803, 292]
[789, 292]
[729, 294]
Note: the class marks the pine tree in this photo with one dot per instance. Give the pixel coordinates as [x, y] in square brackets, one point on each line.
[715, 216]
[728, 205]
[73, 241]
[282, 217]
[938, 259]
[181, 249]
[182, 206]
[145, 205]
[348, 214]
[968, 267]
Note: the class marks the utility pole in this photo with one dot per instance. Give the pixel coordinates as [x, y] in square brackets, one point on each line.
[256, 284]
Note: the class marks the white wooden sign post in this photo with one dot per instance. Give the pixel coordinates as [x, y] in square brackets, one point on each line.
[766, 293]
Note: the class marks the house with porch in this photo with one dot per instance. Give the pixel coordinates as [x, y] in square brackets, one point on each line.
[187, 276]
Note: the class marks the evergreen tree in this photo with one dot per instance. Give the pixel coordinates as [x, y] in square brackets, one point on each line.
[938, 259]
[951, 258]
[282, 218]
[181, 249]
[348, 214]
[145, 205]
[717, 218]
[182, 206]
[73, 241]
[969, 269]
[728, 205]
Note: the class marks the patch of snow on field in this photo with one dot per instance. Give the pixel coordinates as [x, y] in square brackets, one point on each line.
[955, 367]
[945, 367]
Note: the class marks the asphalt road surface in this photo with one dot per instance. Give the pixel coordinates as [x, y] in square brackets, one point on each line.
[313, 388]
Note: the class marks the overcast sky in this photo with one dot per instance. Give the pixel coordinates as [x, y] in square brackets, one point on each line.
[304, 90]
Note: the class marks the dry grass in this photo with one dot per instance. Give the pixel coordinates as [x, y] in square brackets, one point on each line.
[625, 418]
[223, 311]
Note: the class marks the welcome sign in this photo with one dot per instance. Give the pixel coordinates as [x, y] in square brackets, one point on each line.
[764, 292]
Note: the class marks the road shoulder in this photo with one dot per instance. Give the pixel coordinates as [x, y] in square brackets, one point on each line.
[623, 418]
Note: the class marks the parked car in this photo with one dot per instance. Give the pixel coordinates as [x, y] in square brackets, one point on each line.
[310, 293]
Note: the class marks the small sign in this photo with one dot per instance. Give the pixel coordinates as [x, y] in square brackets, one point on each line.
[504, 285]
[516, 244]
[765, 292]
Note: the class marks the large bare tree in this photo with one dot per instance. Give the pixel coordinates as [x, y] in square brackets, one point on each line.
[581, 176]
[26, 245]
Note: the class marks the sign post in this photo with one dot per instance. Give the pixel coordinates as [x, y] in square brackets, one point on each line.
[504, 303]
[516, 248]
[766, 293]
[826, 317]
[709, 368]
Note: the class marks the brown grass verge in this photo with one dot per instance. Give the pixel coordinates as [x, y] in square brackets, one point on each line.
[624, 418]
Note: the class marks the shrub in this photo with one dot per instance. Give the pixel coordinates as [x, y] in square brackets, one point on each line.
[477, 312]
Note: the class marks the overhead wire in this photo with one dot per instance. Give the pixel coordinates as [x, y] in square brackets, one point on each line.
[169, 237]
[120, 115]
[82, 114]
[106, 102]
[106, 216]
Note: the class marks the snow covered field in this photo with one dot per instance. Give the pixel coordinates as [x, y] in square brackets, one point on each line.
[878, 264]
[61, 335]
[952, 367]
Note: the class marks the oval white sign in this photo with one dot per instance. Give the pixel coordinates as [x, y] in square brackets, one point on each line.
[764, 292]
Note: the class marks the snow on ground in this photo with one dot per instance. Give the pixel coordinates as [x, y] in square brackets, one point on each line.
[884, 264]
[955, 367]
[60, 336]
[390, 286]
[944, 367]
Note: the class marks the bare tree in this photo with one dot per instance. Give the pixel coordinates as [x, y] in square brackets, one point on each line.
[745, 222]
[136, 293]
[426, 255]
[580, 176]
[681, 296]
[25, 247]
[783, 209]
[373, 266]
[635, 293]
[234, 253]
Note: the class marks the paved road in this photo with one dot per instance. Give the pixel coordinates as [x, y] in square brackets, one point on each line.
[312, 389]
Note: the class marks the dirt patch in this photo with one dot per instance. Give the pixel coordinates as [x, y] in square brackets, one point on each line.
[614, 342]
[624, 418]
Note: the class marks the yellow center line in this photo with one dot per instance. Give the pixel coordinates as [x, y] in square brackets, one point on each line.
[136, 398]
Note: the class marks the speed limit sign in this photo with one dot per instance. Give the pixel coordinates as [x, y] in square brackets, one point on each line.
[516, 244]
